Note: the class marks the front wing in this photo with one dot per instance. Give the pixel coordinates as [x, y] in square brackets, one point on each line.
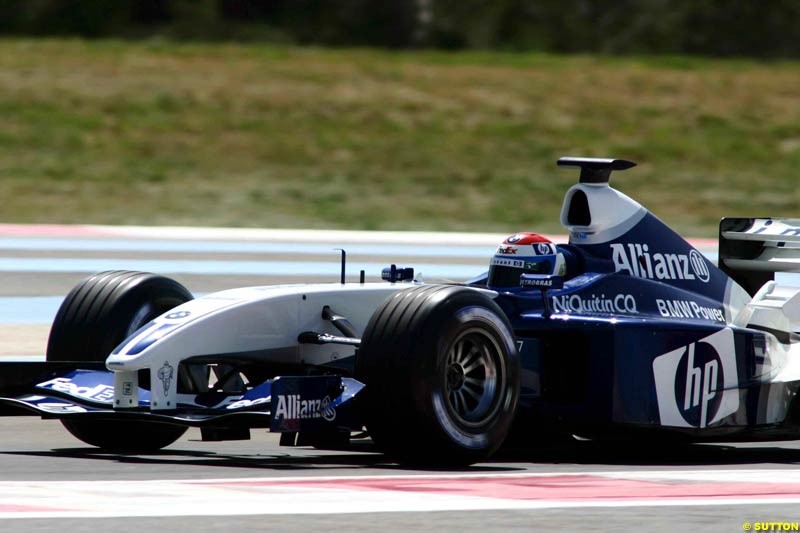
[283, 404]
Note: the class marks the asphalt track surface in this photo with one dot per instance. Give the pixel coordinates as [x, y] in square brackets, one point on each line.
[51, 481]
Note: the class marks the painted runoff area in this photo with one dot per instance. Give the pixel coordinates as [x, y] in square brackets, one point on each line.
[374, 494]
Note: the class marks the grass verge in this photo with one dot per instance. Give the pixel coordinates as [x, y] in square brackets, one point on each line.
[269, 136]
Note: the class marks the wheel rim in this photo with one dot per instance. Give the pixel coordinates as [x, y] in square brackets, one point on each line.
[474, 376]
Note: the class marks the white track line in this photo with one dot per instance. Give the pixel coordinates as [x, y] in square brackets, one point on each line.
[276, 235]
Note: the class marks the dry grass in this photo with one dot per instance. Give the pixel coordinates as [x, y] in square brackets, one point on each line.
[159, 133]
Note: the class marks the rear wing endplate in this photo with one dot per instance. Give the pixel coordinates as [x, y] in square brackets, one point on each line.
[751, 250]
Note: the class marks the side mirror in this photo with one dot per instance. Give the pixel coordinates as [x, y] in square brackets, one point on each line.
[393, 274]
[543, 282]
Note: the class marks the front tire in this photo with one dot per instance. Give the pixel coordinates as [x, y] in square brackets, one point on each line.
[95, 317]
[442, 375]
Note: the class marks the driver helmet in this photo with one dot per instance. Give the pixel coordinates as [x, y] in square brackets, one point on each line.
[524, 253]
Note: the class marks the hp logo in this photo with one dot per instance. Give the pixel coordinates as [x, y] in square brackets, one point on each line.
[697, 381]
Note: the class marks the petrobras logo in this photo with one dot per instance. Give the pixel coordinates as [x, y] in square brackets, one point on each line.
[697, 384]
[640, 262]
[537, 282]
[594, 304]
[292, 406]
[98, 393]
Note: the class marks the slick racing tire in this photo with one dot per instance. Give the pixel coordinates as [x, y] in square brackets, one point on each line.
[95, 317]
[442, 375]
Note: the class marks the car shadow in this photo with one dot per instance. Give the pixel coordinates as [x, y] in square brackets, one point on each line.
[363, 455]
[294, 459]
[648, 453]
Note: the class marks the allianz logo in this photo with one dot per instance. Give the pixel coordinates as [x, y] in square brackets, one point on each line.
[638, 261]
[292, 406]
[575, 303]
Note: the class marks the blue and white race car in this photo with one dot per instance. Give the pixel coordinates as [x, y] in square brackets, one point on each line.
[627, 331]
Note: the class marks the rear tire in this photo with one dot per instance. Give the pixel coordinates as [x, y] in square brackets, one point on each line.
[442, 374]
[95, 317]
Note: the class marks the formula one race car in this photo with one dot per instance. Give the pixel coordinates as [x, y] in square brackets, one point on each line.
[626, 331]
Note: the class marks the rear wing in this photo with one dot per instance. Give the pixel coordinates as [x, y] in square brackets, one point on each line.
[751, 250]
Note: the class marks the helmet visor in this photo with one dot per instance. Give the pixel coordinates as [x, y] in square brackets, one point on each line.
[506, 273]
